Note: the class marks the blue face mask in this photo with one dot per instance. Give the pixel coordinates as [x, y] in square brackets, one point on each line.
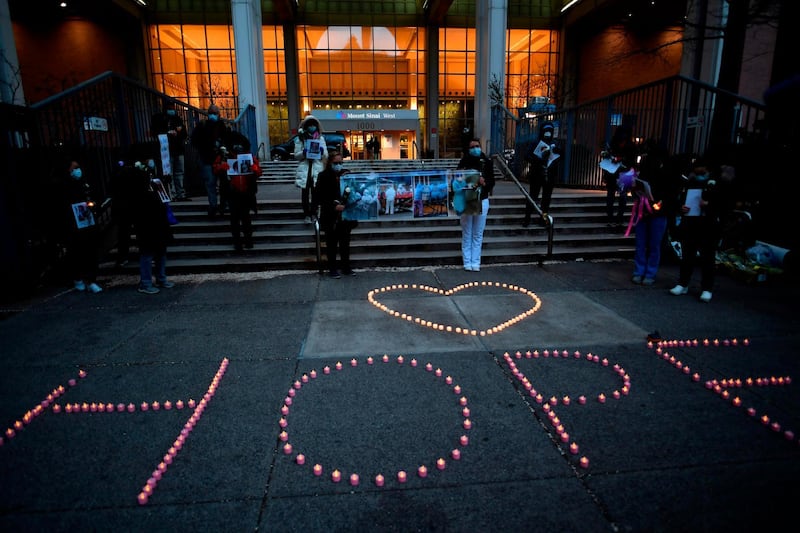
[312, 129]
[76, 173]
[337, 167]
[213, 118]
[476, 151]
[171, 112]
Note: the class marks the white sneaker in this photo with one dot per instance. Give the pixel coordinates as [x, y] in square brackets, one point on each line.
[308, 220]
[677, 290]
[80, 286]
[476, 268]
[705, 296]
[95, 288]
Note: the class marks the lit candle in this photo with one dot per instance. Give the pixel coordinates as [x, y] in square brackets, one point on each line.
[467, 423]
[456, 454]
[379, 480]
[573, 448]
[422, 471]
[353, 479]
[584, 462]
[287, 448]
[336, 476]
[402, 476]
[441, 463]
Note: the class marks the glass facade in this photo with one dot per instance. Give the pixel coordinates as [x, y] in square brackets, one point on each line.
[348, 67]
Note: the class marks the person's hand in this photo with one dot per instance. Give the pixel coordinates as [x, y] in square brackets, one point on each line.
[685, 209]
[340, 207]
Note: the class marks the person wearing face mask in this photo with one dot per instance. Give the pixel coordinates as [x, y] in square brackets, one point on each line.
[705, 202]
[82, 239]
[207, 138]
[543, 160]
[169, 123]
[332, 199]
[311, 163]
[472, 226]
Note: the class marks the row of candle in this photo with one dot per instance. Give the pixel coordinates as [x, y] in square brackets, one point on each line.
[161, 469]
[721, 388]
[449, 292]
[38, 409]
[693, 343]
[566, 400]
[101, 407]
[548, 406]
[379, 479]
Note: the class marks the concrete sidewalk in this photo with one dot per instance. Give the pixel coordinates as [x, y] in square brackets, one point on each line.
[670, 454]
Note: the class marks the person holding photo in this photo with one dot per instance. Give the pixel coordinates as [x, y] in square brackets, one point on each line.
[705, 202]
[82, 236]
[472, 225]
[153, 233]
[332, 201]
[309, 136]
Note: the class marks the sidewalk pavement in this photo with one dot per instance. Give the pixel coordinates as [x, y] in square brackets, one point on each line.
[690, 444]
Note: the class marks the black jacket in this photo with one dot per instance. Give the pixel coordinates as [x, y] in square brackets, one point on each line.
[485, 166]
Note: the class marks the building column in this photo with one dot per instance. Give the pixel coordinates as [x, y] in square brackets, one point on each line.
[432, 90]
[295, 114]
[490, 59]
[249, 45]
[10, 76]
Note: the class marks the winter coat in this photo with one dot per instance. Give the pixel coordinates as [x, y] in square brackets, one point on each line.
[308, 167]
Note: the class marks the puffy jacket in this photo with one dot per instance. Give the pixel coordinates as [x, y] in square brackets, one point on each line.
[308, 167]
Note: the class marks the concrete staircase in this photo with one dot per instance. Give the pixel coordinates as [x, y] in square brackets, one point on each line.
[283, 241]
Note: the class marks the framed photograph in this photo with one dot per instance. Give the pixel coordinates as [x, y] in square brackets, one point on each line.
[84, 217]
[313, 149]
[465, 192]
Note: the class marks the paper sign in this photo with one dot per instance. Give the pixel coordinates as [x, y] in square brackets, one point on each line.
[693, 198]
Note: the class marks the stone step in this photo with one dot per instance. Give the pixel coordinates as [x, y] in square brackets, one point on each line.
[283, 241]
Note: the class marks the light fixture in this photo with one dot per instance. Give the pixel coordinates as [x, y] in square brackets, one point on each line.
[569, 5]
[141, 3]
[63, 4]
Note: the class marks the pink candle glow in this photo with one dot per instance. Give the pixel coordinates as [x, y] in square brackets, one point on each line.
[402, 477]
[422, 471]
[573, 448]
[336, 476]
[354, 479]
[338, 365]
[379, 480]
[582, 400]
[456, 454]
[584, 462]
[317, 469]
[467, 423]
[441, 463]
[464, 440]
[354, 362]
[287, 448]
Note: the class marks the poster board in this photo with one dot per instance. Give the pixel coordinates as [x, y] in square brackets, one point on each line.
[430, 195]
[464, 192]
[360, 192]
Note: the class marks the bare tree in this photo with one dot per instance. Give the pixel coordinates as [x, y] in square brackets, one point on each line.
[9, 85]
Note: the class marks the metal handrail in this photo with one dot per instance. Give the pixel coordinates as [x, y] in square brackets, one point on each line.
[547, 219]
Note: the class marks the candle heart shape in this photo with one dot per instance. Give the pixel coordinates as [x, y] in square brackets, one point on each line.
[372, 296]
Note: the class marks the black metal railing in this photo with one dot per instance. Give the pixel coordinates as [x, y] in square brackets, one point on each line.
[685, 115]
[98, 123]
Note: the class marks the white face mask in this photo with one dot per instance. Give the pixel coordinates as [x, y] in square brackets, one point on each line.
[337, 167]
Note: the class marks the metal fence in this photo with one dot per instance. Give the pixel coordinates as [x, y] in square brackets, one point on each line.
[686, 116]
[97, 123]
